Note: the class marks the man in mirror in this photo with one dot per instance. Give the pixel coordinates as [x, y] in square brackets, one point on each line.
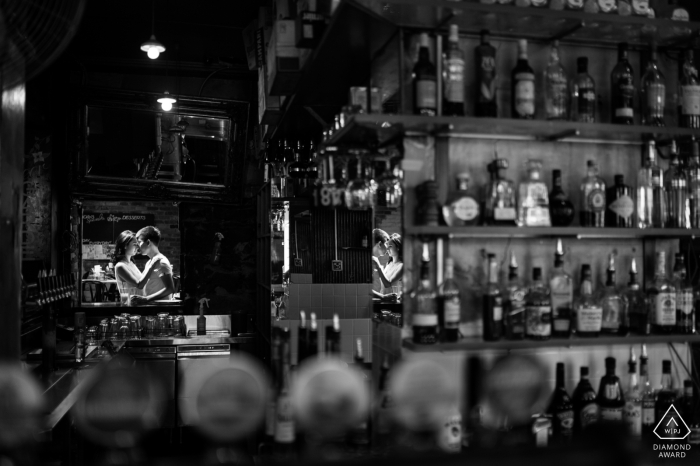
[380, 237]
[160, 285]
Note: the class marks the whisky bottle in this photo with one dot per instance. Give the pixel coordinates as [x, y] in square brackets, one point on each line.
[486, 78]
[685, 299]
[556, 94]
[676, 185]
[688, 93]
[425, 319]
[538, 309]
[592, 198]
[533, 198]
[610, 397]
[587, 309]
[693, 172]
[623, 91]
[514, 323]
[667, 395]
[613, 303]
[561, 209]
[500, 205]
[651, 198]
[523, 86]
[620, 211]
[653, 96]
[583, 96]
[424, 81]
[662, 298]
[637, 308]
[648, 396]
[461, 208]
[586, 410]
[448, 297]
[561, 408]
[453, 99]
[492, 303]
[562, 289]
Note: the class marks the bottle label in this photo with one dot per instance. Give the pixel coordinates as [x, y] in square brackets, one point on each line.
[623, 207]
[450, 438]
[452, 312]
[680, 14]
[537, 217]
[607, 6]
[556, 98]
[566, 423]
[633, 417]
[596, 200]
[284, 425]
[525, 94]
[611, 316]
[454, 82]
[624, 97]
[586, 101]
[665, 309]
[574, 4]
[589, 414]
[561, 294]
[504, 213]
[690, 100]
[656, 100]
[589, 319]
[487, 76]
[612, 391]
[426, 94]
[640, 7]
[425, 320]
[648, 413]
[611, 414]
[538, 321]
[684, 302]
[466, 209]
[497, 310]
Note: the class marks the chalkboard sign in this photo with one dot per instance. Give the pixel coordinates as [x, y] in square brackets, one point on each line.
[101, 230]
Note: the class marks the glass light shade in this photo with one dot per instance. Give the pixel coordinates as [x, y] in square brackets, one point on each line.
[152, 47]
[166, 102]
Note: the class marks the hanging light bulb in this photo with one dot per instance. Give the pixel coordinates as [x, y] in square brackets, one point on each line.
[152, 47]
[167, 101]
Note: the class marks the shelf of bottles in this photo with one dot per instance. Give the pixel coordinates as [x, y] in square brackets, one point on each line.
[555, 19]
[549, 232]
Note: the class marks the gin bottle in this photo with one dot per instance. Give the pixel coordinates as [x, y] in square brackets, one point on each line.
[533, 198]
[662, 298]
[562, 289]
[555, 86]
[651, 198]
[592, 198]
[500, 205]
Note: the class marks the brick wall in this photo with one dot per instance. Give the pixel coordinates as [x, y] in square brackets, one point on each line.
[166, 220]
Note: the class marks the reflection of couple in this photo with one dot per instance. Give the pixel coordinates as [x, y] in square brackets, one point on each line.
[157, 276]
[390, 274]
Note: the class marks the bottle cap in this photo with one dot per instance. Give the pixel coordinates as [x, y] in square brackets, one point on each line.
[610, 363]
[584, 371]
[424, 40]
[619, 179]
[666, 366]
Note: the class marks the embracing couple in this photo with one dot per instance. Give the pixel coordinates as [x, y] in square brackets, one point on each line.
[156, 280]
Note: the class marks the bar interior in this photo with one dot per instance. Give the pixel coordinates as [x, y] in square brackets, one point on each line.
[350, 231]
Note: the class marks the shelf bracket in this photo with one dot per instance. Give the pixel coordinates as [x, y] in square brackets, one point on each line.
[562, 135]
[567, 32]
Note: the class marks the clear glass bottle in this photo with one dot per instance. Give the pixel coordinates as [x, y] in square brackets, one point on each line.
[561, 408]
[453, 75]
[623, 92]
[492, 303]
[688, 92]
[613, 303]
[533, 198]
[648, 396]
[685, 298]
[556, 94]
[523, 86]
[593, 203]
[538, 308]
[561, 209]
[583, 96]
[662, 299]
[500, 205]
[462, 208]
[653, 92]
[675, 182]
[633, 399]
[693, 172]
[561, 286]
[586, 410]
[587, 308]
[486, 78]
[611, 399]
[515, 293]
[424, 81]
[620, 211]
[637, 308]
[667, 394]
[450, 304]
[425, 318]
[651, 198]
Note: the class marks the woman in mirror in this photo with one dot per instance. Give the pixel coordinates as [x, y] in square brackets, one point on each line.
[126, 272]
[391, 274]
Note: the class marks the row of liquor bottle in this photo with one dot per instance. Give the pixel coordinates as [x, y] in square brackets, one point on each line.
[661, 198]
[573, 99]
[646, 8]
[547, 307]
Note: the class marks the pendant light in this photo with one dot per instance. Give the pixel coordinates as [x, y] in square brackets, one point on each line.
[152, 47]
[167, 101]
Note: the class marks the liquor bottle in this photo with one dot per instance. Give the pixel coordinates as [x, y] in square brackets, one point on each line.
[424, 81]
[613, 303]
[676, 12]
[685, 299]
[533, 198]
[333, 335]
[693, 172]
[561, 408]
[523, 86]
[651, 198]
[686, 407]
[461, 208]
[448, 297]
[662, 299]
[588, 311]
[574, 4]
[492, 303]
[583, 96]
[515, 304]
[486, 78]
[633, 397]
[688, 93]
[592, 198]
[676, 185]
[640, 7]
[453, 99]
[608, 6]
[667, 394]
[562, 289]
[624, 7]
[620, 212]
[586, 410]
[285, 429]
[648, 396]
[622, 85]
[637, 308]
[425, 319]
[610, 397]
[653, 94]
[500, 205]
[556, 94]
[561, 209]
[79, 337]
[538, 309]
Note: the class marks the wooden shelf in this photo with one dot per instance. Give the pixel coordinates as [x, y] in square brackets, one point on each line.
[474, 344]
[544, 232]
[509, 21]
